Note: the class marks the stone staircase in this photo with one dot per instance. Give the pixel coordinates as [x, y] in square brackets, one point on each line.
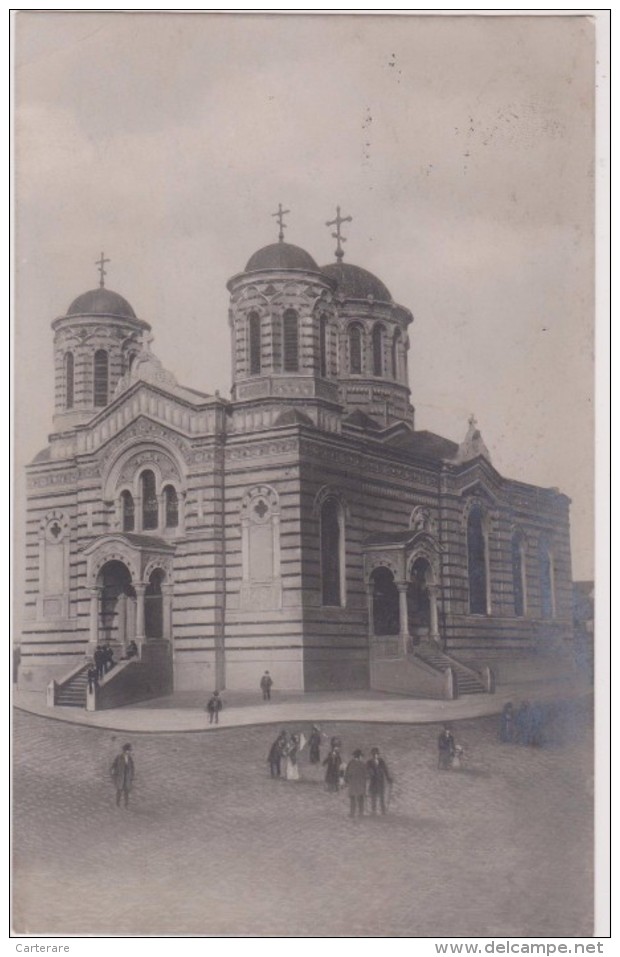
[72, 693]
[467, 680]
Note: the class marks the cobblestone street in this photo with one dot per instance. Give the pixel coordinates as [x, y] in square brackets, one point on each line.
[212, 845]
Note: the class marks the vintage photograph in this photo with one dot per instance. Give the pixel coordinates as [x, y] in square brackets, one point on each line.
[303, 633]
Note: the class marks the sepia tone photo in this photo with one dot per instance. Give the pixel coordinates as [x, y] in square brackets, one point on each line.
[303, 638]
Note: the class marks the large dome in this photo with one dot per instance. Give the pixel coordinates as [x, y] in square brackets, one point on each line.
[101, 302]
[355, 282]
[281, 256]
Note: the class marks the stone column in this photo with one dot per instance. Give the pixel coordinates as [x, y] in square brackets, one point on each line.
[404, 616]
[95, 604]
[432, 602]
[161, 511]
[166, 610]
[140, 588]
[122, 620]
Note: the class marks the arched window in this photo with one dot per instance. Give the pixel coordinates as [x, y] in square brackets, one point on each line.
[396, 356]
[332, 553]
[171, 502]
[547, 584]
[100, 378]
[150, 505]
[518, 575]
[355, 349]
[377, 350]
[254, 335]
[385, 603]
[323, 346]
[128, 512]
[290, 329]
[69, 380]
[477, 562]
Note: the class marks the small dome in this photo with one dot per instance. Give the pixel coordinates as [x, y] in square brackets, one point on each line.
[355, 282]
[281, 256]
[101, 302]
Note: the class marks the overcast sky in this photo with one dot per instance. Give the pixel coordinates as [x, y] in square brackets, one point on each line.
[461, 146]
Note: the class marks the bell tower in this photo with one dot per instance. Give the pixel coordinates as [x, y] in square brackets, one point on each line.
[94, 345]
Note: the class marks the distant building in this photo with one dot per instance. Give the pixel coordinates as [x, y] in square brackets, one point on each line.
[303, 526]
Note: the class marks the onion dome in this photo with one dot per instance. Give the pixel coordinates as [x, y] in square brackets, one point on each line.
[353, 282]
[101, 302]
[281, 256]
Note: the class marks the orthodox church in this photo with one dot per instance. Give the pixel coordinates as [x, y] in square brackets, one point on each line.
[304, 526]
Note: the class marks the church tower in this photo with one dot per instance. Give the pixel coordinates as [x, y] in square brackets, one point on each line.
[94, 345]
[284, 331]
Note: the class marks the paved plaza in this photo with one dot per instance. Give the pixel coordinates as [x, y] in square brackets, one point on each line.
[210, 845]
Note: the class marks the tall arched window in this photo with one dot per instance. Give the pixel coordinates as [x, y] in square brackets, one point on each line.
[128, 512]
[323, 345]
[100, 378]
[477, 562]
[377, 350]
[332, 552]
[355, 349]
[150, 505]
[69, 380]
[254, 335]
[171, 503]
[290, 331]
[396, 356]
[547, 584]
[518, 575]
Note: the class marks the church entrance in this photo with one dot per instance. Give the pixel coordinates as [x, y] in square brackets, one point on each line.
[385, 603]
[418, 600]
[117, 612]
[153, 606]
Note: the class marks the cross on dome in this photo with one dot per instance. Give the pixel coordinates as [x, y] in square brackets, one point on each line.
[337, 222]
[279, 215]
[100, 264]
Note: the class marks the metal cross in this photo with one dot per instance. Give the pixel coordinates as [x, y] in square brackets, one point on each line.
[337, 222]
[280, 217]
[101, 263]
[472, 421]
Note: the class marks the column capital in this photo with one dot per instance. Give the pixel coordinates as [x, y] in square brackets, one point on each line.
[139, 587]
[402, 586]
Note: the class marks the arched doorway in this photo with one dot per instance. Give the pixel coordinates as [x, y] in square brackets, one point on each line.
[118, 603]
[153, 606]
[385, 603]
[419, 600]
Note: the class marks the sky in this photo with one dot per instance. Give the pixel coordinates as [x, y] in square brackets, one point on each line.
[462, 146]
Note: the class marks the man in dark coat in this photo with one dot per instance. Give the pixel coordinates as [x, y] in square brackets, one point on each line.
[445, 748]
[276, 751]
[214, 706]
[99, 661]
[332, 764]
[92, 677]
[314, 743]
[266, 683]
[378, 777]
[355, 777]
[123, 773]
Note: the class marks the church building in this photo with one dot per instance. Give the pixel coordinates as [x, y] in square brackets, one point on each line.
[304, 526]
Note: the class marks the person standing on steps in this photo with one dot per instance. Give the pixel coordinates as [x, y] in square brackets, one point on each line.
[266, 684]
[214, 706]
[123, 772]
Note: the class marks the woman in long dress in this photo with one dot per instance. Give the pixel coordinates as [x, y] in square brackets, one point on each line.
[291, 771]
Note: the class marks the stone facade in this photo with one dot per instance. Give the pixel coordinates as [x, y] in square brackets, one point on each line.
[298, 527]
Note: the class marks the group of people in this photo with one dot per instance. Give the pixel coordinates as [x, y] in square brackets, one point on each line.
[362, 779]
[527, 724]
[103, 661]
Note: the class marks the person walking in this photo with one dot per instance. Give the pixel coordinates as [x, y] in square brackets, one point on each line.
[355, 778]
[314, 743]
[332, 763]
[214, 706]
[266, 684]
[99, 662]
[123, 773]
[378, 777]
[445, 748]
[276, 752]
